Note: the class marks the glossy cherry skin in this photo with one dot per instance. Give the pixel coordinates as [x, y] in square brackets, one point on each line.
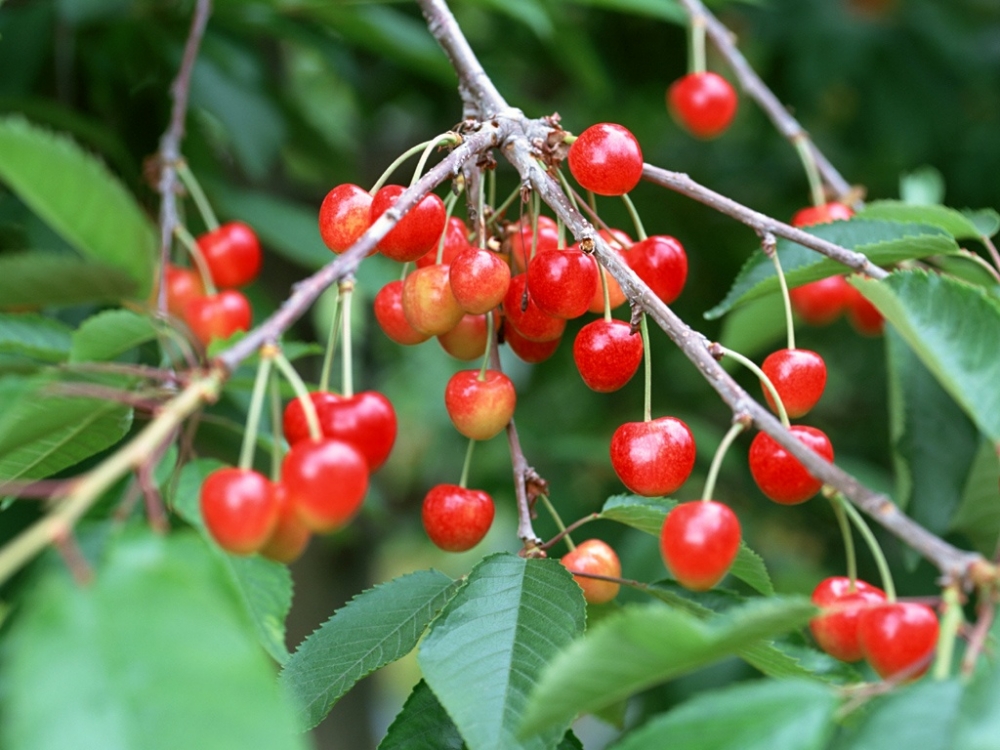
[703, 103]
[836, 630]
[562, 282]
[218, 316]
[863, 315]
[822, 214]
[479, 280]
[239, 508]
[520, 241]
[232, 254]
[821, 302]
[456, 240]
[456, 518]
[799, 376]
[699, 541]
[467, 340]
[529, 351]
[607, 354]
[290, 536]
[619, 242]
[428, 302]
[183, 286]
[896, 636]
[606, 159]
[414, 234]
[529, 320]
[326, 482]
[653, 458]
[388, 309]
[778, 474]
[661, 262]
[594, 556]
[480, 409]
[344, 216]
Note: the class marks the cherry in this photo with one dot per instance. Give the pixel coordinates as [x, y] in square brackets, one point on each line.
[456, 518]
[414, 234]
[661, 262]
[520, 241]
[344, 216]
[607, 354]
[467, 340]
[326, 482]
[606, 159]
[561, 282]
[530, 322]
[290, 536]
[799, 376]
[778, 474]
[653, 458]
[703, 103]
[699, 541]
[479, 280]
[529, 351]
[821, 302]
[389, 314]
[897, 636]
[594, 556]
[218, 316]
[456, 240]
[619, 242]
[366, 420]
[239, 509]
[183, 286]
[480, 409]
[232, 254]
[428, 303]
[864, 316]
[822, 214]
[836, 630]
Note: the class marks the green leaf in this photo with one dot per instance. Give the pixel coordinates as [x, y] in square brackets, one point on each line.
[34, 336]
[978, 516]
[950, 326]
[884, 242]
[754, 327]
[42, 279]
[375, 628]
[645, 645]
[76, 195]
[110, 334]
[978, 723]
[791, 715]
[153, 654]
[647, 514]
[955, 223]
[423, 724]
[489, 646]
[986, 220]
[924, 186]
[669, 11]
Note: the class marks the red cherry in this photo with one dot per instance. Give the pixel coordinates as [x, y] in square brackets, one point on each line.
[389, 314]
[366, 420]
[897, 636]
[661, 262]
[218, 316]
[455, 518]
[467, 340]
[294, 423]
[822, 214]
[703, 103]
[530, 321]
[456, 239]
[653, 458]
[326, 482]
[529, 351]
[864, 316]
[619, 242]
[415, 233]
[606, 159]
[836, 630]
[239, 509]
[344, 216]
[594, 556]
[561, 282]
[480, 409]
[607, 354]
[778, 474]
[799, 376]
[428, 303]
[820, 302]
[699, 541]
[290, 536]
[479, 280]
[520, 241]
[183, 286]
[232, 254]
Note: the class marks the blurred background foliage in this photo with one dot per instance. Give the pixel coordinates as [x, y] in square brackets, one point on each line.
[291, 97]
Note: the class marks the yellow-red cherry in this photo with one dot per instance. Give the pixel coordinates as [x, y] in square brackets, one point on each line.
[456, 518]
[836, 629]
[661, 262]
[326, 482]
[388, 308]
[239, 508]
[523, 313]
[429, 305]
[607, 354]
[653, 458]
[467, 340]
[414, 234]
[699, 541]
[232, 254]
[526, 350]
[898, 637]
[799, 376]
[703, 103]
[218, 316]
[456, 240]
[606, 159]
[778, 474]
[596, 557]
[480, 407]
[479, 280]
[344, 216]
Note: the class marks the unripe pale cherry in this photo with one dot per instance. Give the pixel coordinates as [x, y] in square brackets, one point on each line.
[778, 474]
[456, 518]
[606, 159]
[480, 408]
[799, 376]
[596, 557]
[703, 103]
[653, 458]
[344, 216]
[607, 354]
[428, 303]
[699, 541]
[417, 232]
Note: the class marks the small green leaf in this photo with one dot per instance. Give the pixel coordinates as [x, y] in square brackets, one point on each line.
[924, 186]
[978, 515]
[955, 223]
[978, 719]
[986, 220]
[422, 724]
[42, 279]
[110, 334]
[35, 336]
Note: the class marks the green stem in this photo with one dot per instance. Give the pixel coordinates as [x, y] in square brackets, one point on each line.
[480, 208]
[570, 192]
[750, 365]
[696, 49]
[346, 362]
[604, 291]
[200, 200]
[302, 393]
[498, 211]
[399, 160]
[491, 179]
[490, 343]
[536, 208]
[277, 447]
[442, 140]
[789, 324]
[647, 409]
[331, 346]
[950, 624]
[720, 453]
[465, 466]
[873, 545]
[194, 251]
[640, 230]
[845, 532]
[558, 519]
[449, 207]
[256, 407]
[812, 173]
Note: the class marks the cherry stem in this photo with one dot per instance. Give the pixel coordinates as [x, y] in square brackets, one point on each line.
[631, 583]
[200, 200]
[570, 192]
[445, 139]
[536, 208]
[256, 407]
[805, 152]
[563, 531]
[969, 255]
[873, 545]
[404, 271]
[752, 366]
[991, 249]
[950, 624]
[331, 345]
[603, 274]
[399, 160]
[480, 208]
[490, 343]
[771, 250]
[985, 614]
[713, 471]
[570, 529]
[346, 289]
[491, 179]
[647, 359]
[302, 394]
[499, 210]
[277, 444]
[640, 230]
[849, 551]
[696, 57]
[194, 251]
[449, 208]
[465, 466]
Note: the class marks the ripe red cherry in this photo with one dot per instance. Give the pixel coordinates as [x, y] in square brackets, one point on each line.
[606, 159]
[862, 314]
[456, 239]
[530, 322]
[897, 636]
[428, 303]
[366, 420]
[822, 214]
[528, 351]
[232, 254]
[218, 316]
[653, 458]
[661, 262]
[467, 340]
[703, 103]
[480, 409]
[415, 233]
[520, 241]
[344, 216]
[389, 314]
[778, 474]
[799, 376]
[239, 509]
[456, 518]
[290, 536]
[326, 482]
[607, 354]
[183, 285]
[836, 630]
[594, 556]
[821, 302]
[479, 280]
[561, 282]
[699, 541]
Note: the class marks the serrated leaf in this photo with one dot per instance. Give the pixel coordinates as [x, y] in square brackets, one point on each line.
[78, 197]
[955, 223]
[645, 645]
[791, 715]
[978, 724]
[375, 628]
[884, 242]
[153, 654]
[42, 279]
[108, 334]
[953, 328]
[485, 652]
[35, 336]
[422, 724]
[978, 515]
